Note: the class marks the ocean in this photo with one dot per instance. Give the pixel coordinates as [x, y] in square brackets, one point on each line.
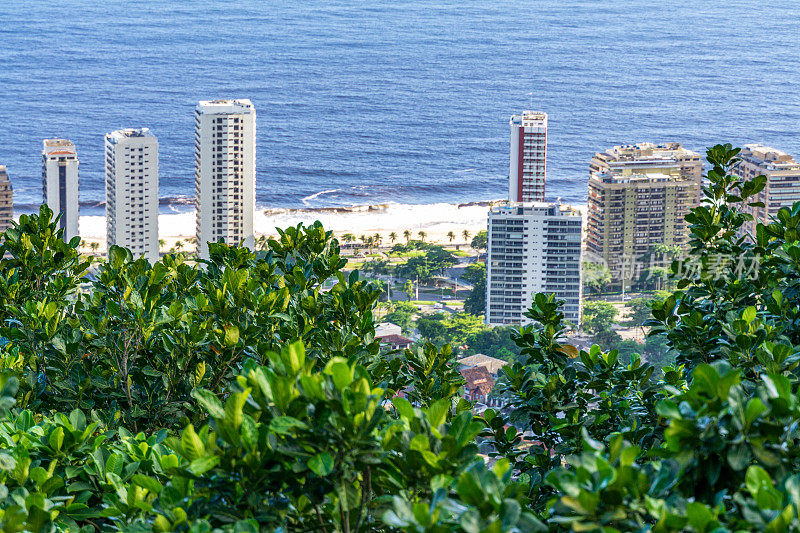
[403, 102]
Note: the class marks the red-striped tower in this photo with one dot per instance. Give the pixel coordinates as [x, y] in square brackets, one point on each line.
[526, 175]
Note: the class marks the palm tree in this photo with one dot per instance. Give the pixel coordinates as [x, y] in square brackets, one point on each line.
[393, 237]
[407, 235]
[466, 235]
[161, 243]
[94, 246]
[370, 241]
[422, 235]
[348, 237]
[451, 236]
[178, 245]
[362, 238]
[377, 238]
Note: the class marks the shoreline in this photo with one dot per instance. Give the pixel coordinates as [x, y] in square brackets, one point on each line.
[435, 220]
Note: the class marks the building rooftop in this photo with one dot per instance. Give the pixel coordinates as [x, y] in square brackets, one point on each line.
[398, 340]
[647, 151]
[118, 135]
[225, 107]
[58, 143]
[387, 328]
[528, 208]
[479, 380]
[492, 364]
[58, 147]
[640, 177]
[769, 158]
[529, 118]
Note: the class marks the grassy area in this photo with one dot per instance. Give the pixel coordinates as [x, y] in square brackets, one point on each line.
[413, 253]
[422, 302]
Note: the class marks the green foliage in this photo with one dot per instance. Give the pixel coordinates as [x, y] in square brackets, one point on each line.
[377, 266]
[598, 316]
[435, 261]
[723, 453]
[475, 274]
[259, 401]
[494, 342]
[487, 501]
[596, 277]
[291, 431]
[402, 314]
[640, 311]
[409, 288]
[654, 350]
[139, 338]
[559, 394]
[454, 329]
[480, 241]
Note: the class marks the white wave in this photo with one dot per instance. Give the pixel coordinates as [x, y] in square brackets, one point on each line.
[307, 199]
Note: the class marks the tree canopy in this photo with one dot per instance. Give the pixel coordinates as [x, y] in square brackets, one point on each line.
[480, 240]
[598, 316]
[236, 395]
[475, 274]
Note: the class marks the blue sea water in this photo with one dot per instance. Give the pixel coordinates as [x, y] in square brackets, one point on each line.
[404, 100]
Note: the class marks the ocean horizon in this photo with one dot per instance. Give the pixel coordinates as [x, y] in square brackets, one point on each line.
[392, 102]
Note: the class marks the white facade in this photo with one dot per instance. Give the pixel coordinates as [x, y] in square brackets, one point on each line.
[528, 157]
[225, 172]
[532, 247]
[60, 183]
[132, 191]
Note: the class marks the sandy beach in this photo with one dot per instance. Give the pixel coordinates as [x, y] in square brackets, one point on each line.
[436, 220]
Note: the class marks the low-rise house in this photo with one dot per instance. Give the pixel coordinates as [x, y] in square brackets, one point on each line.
[492, 364]
[394, 342]
[479, 383]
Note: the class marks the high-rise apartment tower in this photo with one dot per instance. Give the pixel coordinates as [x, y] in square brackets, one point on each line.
[6, 200]
[132, 191]
[225, 172]
[638, 198]
[783, 181]
[532, 247]
[528, 167]
[60, 183]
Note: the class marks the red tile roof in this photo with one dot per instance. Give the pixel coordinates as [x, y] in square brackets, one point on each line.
[478, 379]
[395, 340]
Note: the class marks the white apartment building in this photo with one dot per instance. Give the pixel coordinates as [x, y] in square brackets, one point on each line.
[225, 172]
[783, 182]
[6, 200]
[132, 191]
[60, 183]
[532, 247]
[528, 158]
